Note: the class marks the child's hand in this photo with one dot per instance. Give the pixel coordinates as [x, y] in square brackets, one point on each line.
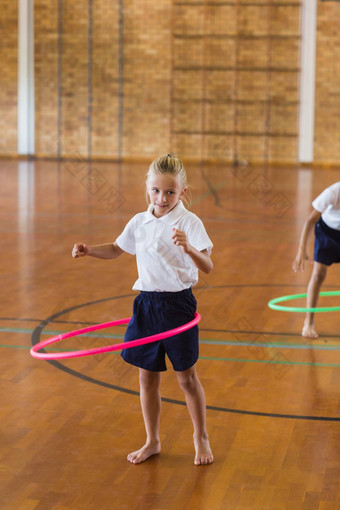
[299, 262]
[79, 250]
[180, 239]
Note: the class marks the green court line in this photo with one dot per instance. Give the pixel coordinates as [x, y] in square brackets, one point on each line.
[278, 362]
[206, 358]
[275, 345]
[4, 346]
[54, 349]
[46, 332]
[208, 341]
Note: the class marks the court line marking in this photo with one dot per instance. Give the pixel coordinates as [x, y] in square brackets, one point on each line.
[204, 341]
[271, 361]
[36, 338]
[204, 358]
[52, 333]
[207, 358]
[212, 330]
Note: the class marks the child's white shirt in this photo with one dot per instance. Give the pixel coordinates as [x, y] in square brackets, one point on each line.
[328, 203]
[163, 266]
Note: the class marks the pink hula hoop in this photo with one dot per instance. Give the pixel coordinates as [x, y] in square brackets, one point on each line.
[108, 348]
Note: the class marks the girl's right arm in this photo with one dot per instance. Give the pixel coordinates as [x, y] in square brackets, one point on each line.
[301, 257]
[101, 251]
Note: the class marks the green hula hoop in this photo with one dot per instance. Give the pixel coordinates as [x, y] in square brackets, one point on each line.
[273, 303]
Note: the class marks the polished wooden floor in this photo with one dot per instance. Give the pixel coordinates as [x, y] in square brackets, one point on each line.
[273, 398]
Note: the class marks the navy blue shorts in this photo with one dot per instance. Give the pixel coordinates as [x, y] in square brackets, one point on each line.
[154, 312]
[326, 244]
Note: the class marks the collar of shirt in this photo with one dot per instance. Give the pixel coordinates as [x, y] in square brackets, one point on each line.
[171, 218]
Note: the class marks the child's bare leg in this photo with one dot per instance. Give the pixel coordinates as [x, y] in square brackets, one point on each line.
[195, 399]
[313, 291]
[151, 407]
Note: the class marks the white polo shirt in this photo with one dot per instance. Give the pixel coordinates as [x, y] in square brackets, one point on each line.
[163, 266]
[328, 203]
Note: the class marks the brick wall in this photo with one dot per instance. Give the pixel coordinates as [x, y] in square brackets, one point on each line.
[235, 71]
[207, 80]
[8, 77]
[46, 77]
[327, 96]
[215, 80]
[147, 77]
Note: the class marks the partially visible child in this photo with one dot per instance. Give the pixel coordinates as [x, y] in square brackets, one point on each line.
[171, 245]
[325, 218]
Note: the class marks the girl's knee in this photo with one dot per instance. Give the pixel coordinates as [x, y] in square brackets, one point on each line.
[149, 380]
[188, 380]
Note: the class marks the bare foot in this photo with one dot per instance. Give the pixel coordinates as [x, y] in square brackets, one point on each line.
[204, 454]
[144, 453]
[309, 331]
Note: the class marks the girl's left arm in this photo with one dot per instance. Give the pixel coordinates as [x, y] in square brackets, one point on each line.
[201, 259]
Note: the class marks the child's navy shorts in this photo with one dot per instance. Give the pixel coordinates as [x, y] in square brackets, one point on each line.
[155, 312]
[326, 244]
